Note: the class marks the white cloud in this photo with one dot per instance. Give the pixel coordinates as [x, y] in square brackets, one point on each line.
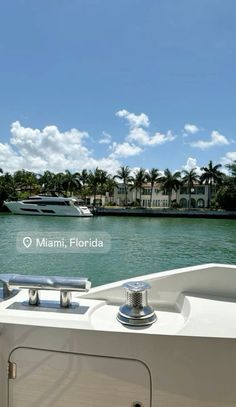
[133, 119]
[9, 159]
[109, 164]
[217, 139]
[192, 164]
[159, 138]
[49, 140]
[49, 149]
[105, 139]
[231, 155]
[124, 150]
[191, 128]
[228, 158]
[141, 136]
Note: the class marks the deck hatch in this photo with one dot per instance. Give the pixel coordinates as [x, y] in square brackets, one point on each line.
[48, 378]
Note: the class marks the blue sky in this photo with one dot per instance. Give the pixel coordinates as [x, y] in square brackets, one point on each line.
[142, 83]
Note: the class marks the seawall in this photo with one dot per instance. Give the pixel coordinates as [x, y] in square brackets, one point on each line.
[171, 213]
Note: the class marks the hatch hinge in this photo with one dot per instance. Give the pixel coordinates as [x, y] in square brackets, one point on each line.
[12, 370]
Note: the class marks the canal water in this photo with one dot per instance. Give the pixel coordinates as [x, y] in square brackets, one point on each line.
[139, 246]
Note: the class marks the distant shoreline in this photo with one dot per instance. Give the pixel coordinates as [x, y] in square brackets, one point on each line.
[171, 213]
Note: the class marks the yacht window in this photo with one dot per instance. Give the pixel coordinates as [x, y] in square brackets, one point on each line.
[47, 211]
[45, 202]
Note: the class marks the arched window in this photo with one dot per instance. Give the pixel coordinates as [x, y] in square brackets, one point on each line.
[193, 203]
[200, 203]
[183, 203]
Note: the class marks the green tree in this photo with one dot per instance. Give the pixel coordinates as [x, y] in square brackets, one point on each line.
[110, 186]
[226, 195]
[84, 181]
[211, 175]
[190, 178]
[94, 178]
[58, 183]
[71, 182]
[83, 176]
[138, 180]
[48, 181]
[170, 181]
[103, 176]
[152, 176]
[232, 168]
[7, 188]
[124, 174]
[26, 181]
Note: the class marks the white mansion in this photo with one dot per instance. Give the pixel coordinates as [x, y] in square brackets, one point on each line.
[160, 198]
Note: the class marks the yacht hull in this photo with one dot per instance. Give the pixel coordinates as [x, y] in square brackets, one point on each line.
[17, 208]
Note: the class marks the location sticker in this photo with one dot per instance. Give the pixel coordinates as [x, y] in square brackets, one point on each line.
[27, 242]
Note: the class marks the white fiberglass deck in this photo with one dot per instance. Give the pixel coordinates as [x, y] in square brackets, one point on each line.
[186, 358]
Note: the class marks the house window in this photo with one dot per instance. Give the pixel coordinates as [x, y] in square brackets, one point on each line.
[193, 203]
[183, 203]
[183, 190]
[200, 203]
[146, 191]
[200, 190]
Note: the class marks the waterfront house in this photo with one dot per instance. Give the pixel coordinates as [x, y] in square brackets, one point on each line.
[158, 198]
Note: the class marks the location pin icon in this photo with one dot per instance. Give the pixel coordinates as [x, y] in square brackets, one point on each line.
[27, 242]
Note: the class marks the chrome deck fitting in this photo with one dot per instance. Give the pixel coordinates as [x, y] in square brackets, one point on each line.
[65, 285]
[136, 311]
[33, 297]
[65, 299]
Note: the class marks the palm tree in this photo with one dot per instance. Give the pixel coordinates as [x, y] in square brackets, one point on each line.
[110, 185]
[190, 178]
[210, 175]
[83, 176]
[170, 181]
[124, 174]
[47, 181]
[71, 182]
[7, 188]
[138, 181]
[103, 176]
[232, 168]
[58, 182]
[152, 177]
[26, 180]
[94, 183]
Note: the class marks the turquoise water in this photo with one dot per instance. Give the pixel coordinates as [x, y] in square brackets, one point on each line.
[138, 246]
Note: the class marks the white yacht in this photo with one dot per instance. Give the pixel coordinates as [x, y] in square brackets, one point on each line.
[48, 205]
[64, 344]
